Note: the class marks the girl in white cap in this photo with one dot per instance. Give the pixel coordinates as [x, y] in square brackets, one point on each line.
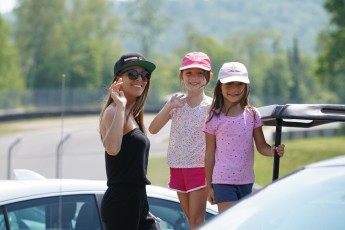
[231, 126]
[186, 151]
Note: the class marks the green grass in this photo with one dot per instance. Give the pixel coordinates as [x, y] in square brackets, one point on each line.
[158, 171]
[297, 154]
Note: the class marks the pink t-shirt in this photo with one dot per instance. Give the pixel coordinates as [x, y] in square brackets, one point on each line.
[234, 156]
[187, 140]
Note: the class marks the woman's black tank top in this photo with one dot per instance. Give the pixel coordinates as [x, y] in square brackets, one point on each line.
[130, 165]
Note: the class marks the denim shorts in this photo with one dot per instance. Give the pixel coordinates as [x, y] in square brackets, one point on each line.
[187, 179]
[231, 192]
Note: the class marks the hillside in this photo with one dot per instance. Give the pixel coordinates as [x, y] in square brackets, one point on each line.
[223, 18]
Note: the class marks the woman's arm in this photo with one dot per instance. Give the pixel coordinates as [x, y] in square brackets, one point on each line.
[113, 120]
[112, 129]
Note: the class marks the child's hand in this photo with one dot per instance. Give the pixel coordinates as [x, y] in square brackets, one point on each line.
[210, 196]
[177, 101]
[279, 149]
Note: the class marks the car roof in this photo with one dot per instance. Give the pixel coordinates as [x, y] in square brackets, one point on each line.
[302, 115]
[32, 185]
[17, 190]
[338, 161]
[29, 183]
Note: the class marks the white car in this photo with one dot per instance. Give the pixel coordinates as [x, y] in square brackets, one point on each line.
[34, 202]
[312, 197]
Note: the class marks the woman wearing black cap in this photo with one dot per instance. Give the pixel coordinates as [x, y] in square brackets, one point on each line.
[125, 204]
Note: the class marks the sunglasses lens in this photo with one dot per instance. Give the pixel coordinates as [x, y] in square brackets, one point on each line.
[145, 75]
[132, 74]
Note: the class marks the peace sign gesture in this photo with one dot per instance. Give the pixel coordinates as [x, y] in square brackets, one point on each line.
[117, 94]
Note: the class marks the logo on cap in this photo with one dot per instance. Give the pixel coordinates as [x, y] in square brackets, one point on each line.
[233, 71]
[130, 59]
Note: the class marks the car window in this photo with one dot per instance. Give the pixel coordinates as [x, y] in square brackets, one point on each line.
[62, 212]
[2, 219]
[170, 213]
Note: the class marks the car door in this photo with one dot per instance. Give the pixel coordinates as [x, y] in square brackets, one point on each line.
[171, 213]
[58, 212]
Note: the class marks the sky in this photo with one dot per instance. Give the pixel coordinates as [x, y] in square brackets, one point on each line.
[6, 5]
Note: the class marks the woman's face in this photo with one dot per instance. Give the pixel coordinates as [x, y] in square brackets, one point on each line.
[233, 92]
[133, 81]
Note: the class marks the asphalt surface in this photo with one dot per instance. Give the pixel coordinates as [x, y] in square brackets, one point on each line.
[37, 145]
[76, 140]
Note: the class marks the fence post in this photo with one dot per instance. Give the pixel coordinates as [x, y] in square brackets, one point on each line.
[59, 155]
[9, 160]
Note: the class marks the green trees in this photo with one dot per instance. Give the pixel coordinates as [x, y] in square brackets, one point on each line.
[11, 77]
[76, 38]
[82, 38]
[331, 57]
[145, 21]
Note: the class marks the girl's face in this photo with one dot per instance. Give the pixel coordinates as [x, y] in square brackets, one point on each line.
[134, 87]
[233, 92]
[194, 79]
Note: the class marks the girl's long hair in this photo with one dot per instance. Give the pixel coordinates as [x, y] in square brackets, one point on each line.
[137, 110]
[218, 101]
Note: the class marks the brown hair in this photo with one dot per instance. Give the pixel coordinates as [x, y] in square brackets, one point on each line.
[137, 110]
[218, 101]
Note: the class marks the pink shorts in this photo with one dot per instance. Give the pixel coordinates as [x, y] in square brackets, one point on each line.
[187, 179]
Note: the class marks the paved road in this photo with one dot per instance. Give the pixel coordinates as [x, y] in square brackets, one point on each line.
[37, 145]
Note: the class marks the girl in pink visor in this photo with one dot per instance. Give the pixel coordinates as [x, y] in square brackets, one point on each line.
[186, 150]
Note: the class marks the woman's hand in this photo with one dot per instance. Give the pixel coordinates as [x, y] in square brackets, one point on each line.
[117, 94]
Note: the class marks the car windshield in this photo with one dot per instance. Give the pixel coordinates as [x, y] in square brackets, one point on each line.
[317, 203]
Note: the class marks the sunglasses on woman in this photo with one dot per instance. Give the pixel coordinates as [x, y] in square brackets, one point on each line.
[133, 74]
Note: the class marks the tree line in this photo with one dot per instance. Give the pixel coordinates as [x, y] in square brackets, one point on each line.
[81, 39]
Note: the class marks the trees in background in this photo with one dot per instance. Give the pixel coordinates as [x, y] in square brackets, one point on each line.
[82, 38]
[10, 69]
[145, 21]
[11, 76]
[76, 38]
[331, 56]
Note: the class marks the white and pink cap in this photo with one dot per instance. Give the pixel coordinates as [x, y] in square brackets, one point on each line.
[233, 71]
[196, 60]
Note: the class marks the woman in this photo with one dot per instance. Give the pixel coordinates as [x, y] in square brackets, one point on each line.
[125, 204]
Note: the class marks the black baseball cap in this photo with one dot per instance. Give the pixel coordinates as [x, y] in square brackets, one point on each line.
[133, 59]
